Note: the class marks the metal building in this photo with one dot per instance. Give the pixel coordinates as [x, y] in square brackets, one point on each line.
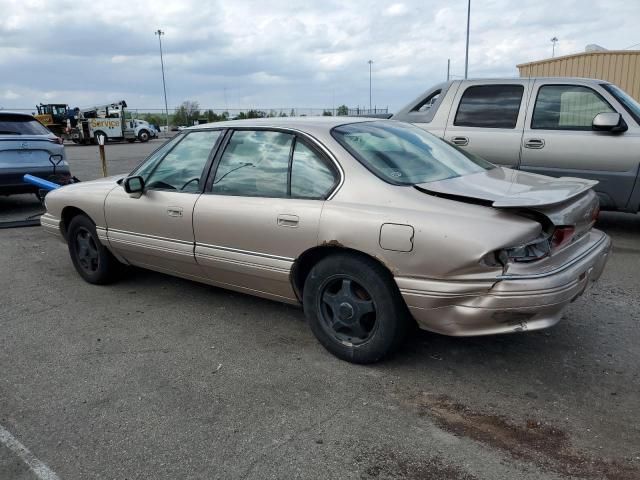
[621, 67]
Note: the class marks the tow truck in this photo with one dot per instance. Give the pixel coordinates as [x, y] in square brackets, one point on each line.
[107, 121]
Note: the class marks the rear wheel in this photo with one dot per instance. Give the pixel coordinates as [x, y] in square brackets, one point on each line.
[92, 260]
[354, 308]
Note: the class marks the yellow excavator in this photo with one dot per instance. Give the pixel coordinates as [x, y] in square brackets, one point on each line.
[54, 117]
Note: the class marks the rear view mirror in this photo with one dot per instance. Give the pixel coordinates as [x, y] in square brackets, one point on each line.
[133, 184]
[609, 122]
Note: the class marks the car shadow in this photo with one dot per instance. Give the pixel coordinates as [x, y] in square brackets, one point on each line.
[20, 207]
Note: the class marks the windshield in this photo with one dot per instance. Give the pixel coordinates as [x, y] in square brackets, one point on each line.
[627, 101]
[11, 124]
[402, 154]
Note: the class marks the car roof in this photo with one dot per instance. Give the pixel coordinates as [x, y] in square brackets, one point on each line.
[13, 112]
[301, 123]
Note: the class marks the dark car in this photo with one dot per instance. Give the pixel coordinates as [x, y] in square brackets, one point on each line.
[27, 146]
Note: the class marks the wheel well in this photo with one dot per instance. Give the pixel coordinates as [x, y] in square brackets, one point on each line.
[68, 213]
[305, 262]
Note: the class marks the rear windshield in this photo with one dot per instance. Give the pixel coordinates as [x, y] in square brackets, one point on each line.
[21, 125]
[402, 154]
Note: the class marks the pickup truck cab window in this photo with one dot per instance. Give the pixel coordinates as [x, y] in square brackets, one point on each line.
[627, 101]
[567, 107]
[490, 106]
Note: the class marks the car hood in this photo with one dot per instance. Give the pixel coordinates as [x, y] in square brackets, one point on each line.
[504, 187]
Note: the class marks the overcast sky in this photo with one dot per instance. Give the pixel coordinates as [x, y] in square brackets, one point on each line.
[279, 53]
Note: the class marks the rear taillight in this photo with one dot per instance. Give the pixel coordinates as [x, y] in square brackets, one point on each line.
[529, 252]
[595, 214]
[561, 236]
[57, 140]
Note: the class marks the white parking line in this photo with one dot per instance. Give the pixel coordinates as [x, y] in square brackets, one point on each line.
[37, 467]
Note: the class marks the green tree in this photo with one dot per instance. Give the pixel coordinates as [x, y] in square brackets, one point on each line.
[186, 113]
[342, 110]
[327, 113]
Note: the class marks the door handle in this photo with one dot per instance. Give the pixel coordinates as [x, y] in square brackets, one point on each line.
[460, 141]
[536, 143]
[288, 220]
[174, 211]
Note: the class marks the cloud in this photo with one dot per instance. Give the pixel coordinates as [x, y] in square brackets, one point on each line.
[279, 54]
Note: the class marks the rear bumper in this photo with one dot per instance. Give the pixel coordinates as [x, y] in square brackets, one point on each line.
[12, 182]
[506, 304]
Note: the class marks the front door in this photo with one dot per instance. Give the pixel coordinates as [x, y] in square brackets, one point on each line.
[559, 141]
[489, 119]
[155, 229]
[261, 210]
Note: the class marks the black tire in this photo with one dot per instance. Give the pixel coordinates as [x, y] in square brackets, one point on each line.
[143, 136]
[92, 260]
[338, 294]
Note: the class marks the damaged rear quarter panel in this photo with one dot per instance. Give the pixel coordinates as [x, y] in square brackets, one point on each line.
[450, 237]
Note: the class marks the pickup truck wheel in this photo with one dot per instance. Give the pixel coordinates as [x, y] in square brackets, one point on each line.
[354, 308]
[92, 260]
[143, 136]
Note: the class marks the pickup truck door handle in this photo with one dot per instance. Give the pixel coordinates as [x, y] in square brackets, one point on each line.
[288, 220]
[174, 211]
[536, 143]
[461, 141]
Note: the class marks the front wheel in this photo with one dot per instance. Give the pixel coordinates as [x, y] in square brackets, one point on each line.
[92, 260]
[354, 308]
[143, 136]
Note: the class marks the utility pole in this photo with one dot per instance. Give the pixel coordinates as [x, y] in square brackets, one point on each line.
[466, 52]
[370, 62]
[448, 68]
[554, 40]
[164, 86]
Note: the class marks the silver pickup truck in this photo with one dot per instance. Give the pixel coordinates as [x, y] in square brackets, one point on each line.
[563, 127]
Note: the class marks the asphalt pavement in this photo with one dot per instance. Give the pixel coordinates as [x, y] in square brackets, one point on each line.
[161, 378]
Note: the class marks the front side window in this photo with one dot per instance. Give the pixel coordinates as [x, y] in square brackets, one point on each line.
[627, 101]
[181, 168]
[255, 163]
[567, 107]
[428, 102]
[489, 106]
[402, 154]
[311, 176]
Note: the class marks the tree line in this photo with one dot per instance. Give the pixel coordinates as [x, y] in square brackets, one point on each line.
[189, 113]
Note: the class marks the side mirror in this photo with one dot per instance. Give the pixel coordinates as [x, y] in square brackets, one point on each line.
[133, 184]
[609, 122]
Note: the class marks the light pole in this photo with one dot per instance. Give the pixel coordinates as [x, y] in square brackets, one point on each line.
[554, 40]
[466, 52]
[370, 62]
[164, 86]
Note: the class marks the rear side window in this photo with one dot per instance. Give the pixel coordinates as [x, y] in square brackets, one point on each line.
[490, 106]
[311, 176]
[567, 107]
[21, 125]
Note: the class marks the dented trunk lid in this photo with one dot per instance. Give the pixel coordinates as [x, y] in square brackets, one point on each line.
[564, 201]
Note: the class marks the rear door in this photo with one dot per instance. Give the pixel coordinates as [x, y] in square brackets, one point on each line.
[559, 141]
[154, 229]
[487, 118]
[261, 210]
